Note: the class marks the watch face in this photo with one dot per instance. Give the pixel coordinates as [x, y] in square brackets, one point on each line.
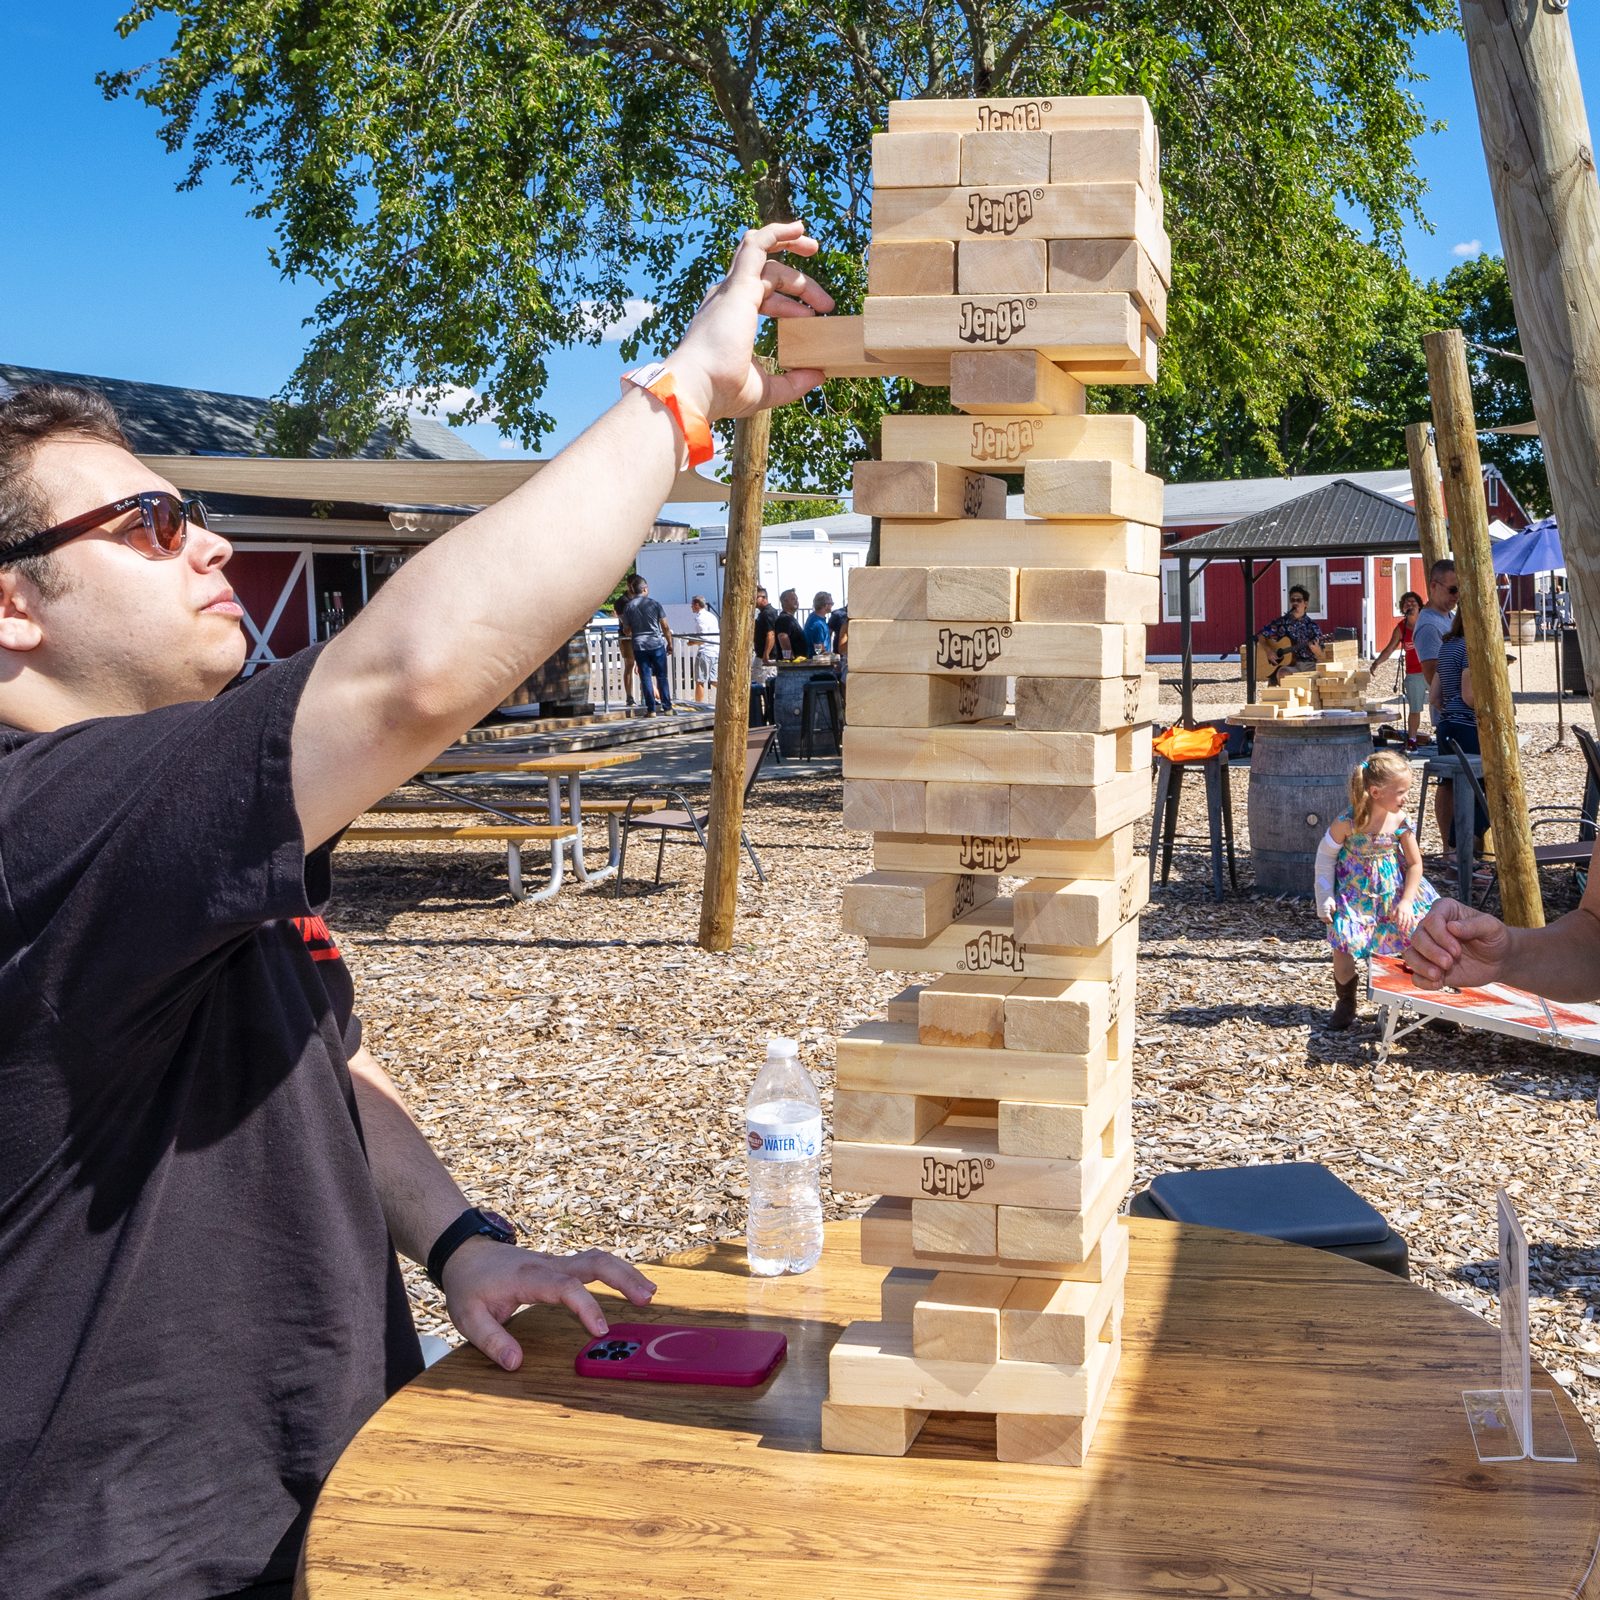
[497, 1223]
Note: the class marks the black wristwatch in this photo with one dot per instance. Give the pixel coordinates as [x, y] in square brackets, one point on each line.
[471, 1224]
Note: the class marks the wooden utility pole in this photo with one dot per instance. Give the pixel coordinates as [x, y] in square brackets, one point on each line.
[719, 900]
[1456, 434]
[1431, 532]
[1542, 171]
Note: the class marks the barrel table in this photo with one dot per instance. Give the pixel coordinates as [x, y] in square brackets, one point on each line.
[1299, 782]
[788, 701]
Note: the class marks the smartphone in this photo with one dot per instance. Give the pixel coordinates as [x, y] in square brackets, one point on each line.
[659, 1352]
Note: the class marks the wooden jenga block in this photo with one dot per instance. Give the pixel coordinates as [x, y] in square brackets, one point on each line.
[964, 1012]
[1072, 1133]
[903, 1006]
[1108, 266]
[958, 1318]
[895, 594]
[911, 905]
[999, 443]
[1046, 1233]
[873, 1363]
[972, 594]
[877, 806]
[887, 1058]
[896, 700]
[900, 1290]
[1092, 594]
[1031, 649]
[1044, 1319]
[1135, 749]
[1091, 328]
[917, 160]
[998, 755]
[1090, 489]
[1059, 1441]
[1024, 858]
[886, 1242]
[1002, 266]
[869, 1116]
[1022, 542]
[833, 345]
[1062, 705]
[983, 941]
[1012, 382]
[912, 266]
[1053, 1014]
[965, 808]
[1052, 912]
[1042, 812]
[870, 1430]
[951, 1227]
[1014, 155]
[925, 489]
[981, 116]
[1102, 155]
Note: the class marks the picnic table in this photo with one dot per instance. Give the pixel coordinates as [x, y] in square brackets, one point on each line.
[1284, 1421]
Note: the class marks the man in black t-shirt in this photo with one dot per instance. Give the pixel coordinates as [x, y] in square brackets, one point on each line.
[789, 642]
[203, 1175]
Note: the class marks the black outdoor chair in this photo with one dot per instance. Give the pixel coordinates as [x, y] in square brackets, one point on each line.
[684, 819]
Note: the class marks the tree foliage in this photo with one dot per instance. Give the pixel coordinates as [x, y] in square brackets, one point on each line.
[475, 181]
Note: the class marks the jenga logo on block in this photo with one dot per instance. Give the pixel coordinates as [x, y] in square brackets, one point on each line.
[952, 1180]
[1027, 115]
[967, 701]
[1130, 700]
[1125, 899]
[992, 949]
[966, 895]
[970, 649]
[1114, 997]
[985, 854]
[1003, 442]
[972, 497]
[996, 324]
[1001, 213]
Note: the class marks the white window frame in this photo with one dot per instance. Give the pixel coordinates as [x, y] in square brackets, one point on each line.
[1286, 583]
[1197, 595]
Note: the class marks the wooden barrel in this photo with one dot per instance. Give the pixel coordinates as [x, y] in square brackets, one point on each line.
[561, 686]
[1299, 782]
[1524, 626]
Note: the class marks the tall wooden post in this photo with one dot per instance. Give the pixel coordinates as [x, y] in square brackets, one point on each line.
[1431, 531]
[719, 898]
[1456, 433]
[1542, 171]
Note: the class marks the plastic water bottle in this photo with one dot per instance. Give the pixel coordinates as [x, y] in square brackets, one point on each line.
[783, 1132]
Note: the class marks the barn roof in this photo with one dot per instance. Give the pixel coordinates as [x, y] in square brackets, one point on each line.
[1343, 518]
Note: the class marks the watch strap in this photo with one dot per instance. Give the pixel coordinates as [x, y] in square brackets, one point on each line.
[473, 1223]
[657, 379]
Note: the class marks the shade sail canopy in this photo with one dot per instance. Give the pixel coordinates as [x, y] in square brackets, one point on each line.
[1340, 519]
[1536, 549]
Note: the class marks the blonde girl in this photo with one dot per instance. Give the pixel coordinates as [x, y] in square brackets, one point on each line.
[1369, 886]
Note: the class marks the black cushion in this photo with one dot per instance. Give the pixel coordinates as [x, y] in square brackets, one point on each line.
[1300, 1201]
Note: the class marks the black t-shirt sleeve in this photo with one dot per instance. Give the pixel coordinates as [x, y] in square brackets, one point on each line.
[136, 851]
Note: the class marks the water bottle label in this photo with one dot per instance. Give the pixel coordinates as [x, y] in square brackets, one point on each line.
[784, 1141]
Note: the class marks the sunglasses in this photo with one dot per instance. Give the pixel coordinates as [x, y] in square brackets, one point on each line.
[160, 533]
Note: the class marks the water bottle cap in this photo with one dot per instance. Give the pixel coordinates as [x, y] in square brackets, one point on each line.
[782, 1050]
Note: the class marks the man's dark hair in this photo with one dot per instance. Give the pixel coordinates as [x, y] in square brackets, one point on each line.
[1441, 569]
[27, 419]
[1305, 594]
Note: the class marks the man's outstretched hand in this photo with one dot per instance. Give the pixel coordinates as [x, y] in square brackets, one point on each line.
[1458, 947]
[486, 1283]
[714, 358]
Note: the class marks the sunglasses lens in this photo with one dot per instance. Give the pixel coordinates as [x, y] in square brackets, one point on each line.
[163, 526]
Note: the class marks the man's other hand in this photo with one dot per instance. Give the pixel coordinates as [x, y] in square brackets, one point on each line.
[714, 357]
[486, 1283]
[1458, 947]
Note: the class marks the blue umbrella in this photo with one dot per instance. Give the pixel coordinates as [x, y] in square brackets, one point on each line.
[1536, 549]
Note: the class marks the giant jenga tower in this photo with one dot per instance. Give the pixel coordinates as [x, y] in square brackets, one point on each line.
[1018, 254]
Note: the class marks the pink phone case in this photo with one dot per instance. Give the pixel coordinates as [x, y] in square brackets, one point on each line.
[657, 1352]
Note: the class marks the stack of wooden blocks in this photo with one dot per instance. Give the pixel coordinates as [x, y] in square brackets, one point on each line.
[1338, 683]
[1017, 255]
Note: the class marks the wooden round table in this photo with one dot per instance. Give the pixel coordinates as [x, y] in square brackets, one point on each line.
[1284, 1422]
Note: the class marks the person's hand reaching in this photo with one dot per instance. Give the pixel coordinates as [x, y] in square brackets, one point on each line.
[1458, 947]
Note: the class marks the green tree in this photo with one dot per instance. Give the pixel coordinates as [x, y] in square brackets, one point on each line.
[475, 181]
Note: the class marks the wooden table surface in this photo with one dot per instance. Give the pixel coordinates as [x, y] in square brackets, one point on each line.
[1284, 1422]
[546, 766]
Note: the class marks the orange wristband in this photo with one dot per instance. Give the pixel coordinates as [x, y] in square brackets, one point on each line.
[657, 379]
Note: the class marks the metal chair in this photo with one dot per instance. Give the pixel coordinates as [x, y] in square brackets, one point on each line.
[685, 819]
[1219, 817]
[831, 694]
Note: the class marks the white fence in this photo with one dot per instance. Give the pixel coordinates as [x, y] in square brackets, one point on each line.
[605, 671]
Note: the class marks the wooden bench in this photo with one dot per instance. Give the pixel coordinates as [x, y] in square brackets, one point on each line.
[513, 836]
[538, 808]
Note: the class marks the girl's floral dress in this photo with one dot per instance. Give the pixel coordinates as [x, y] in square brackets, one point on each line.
[1367, 880]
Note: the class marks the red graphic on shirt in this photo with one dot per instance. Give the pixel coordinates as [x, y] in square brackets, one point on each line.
[319, 941]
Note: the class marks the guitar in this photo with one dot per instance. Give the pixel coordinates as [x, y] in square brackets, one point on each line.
[1272, 654]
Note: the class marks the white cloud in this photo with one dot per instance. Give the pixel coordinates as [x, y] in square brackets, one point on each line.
[634, 312]
[440, 403]
[508, 444]
[1467, 247]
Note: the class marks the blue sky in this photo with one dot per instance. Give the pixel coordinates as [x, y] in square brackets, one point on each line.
[109, 270]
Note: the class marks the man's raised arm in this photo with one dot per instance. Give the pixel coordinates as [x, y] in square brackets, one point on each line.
[470, 617]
